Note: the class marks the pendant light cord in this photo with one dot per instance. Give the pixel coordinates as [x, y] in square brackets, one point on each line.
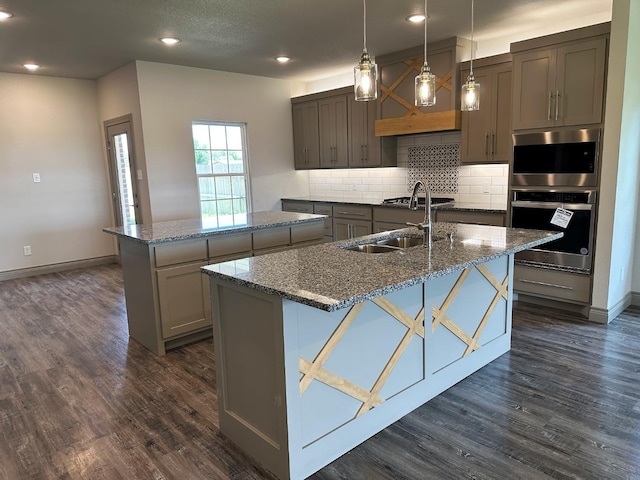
[425, 32]
[471, 70]
[364, 20]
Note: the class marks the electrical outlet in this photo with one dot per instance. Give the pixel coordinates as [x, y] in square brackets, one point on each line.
[139, 174]
[27, 249]
[485, 187]
[36, 178]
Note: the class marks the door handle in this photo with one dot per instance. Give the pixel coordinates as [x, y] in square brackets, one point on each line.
[549, 105]
[486, 144]
[493, 144]
[557, 102]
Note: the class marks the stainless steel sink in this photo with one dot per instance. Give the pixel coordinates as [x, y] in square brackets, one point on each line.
[374, 248]
[402, 242]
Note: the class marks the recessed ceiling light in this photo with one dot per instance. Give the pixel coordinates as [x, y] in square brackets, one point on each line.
[31, 66]
[416, 18]
[282, 59]
[169, 40]
[4, 15]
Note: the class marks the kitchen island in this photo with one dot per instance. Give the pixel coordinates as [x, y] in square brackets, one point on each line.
[320, 348]
[167, 296]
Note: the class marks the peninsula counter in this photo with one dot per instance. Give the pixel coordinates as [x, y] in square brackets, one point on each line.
[319, 348]
[166, 294]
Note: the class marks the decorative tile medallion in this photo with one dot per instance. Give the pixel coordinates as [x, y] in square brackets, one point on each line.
[437, 164]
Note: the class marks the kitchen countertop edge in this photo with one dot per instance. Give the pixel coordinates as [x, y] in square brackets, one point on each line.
[457, 206]
[176, 230]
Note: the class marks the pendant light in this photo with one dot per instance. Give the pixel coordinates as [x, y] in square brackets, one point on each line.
[470, 99]
[365, 73]
[426, 81]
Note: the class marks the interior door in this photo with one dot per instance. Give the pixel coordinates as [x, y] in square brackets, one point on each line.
[124, 191]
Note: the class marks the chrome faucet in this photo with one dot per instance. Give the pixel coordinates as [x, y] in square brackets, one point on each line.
[425, 226]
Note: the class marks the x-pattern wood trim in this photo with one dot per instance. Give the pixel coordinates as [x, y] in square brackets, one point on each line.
[339, 383]
[440, 314]
[369, 399]
[414, 65]
[328, 347]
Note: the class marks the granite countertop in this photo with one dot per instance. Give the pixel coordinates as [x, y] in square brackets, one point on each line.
[197, 228]
[459, 206]
[330, 278]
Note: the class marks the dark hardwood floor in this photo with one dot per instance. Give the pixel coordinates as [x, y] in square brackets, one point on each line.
[78, 400]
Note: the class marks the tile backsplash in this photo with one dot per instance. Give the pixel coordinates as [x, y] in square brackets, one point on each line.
[431, 157]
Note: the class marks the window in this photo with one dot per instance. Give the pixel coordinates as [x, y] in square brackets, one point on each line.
[223, 173]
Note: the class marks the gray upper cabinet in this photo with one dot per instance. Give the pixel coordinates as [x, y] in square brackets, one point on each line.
[559, 85]
[332, 113]
[306, 147]
[344, 130]
[486, 133]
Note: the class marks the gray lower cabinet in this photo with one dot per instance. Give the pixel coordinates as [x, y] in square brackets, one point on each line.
[345, 229]
[298, 207]
[168, 297]
[351, 221]
[183, 294]
[476, 217]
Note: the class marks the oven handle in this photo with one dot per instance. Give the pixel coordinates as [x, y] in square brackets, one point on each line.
[552, 205]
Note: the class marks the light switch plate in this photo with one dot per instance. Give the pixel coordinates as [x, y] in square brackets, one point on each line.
[36, 178]
[139, 174]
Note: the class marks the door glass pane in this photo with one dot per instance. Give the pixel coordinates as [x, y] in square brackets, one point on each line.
[127, 200]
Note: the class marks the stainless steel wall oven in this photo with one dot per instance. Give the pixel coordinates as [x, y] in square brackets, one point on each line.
[535, 209]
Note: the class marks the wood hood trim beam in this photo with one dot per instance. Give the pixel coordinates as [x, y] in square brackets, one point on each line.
[430, 122]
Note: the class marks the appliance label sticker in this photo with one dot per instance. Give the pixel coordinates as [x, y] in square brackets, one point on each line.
[561, 217]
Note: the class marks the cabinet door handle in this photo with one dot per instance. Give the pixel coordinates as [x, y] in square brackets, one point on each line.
[493, 144]
[352, 213]
[544, 284]
[364, 154]
[549, 105]
[557, 102]
[486, 144]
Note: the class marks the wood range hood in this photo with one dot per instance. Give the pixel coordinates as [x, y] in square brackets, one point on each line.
[424, 123]
[397, 114]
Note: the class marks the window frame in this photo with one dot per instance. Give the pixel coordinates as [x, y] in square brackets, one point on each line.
[245, 163]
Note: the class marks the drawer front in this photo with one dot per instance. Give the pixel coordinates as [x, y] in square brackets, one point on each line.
[224, 245]
[355, 212]
[307, 233]
[180, 252]
[299, 207]
[478, 218]
[398, 215]
[323, 209]
[271, 238]
[563, 286]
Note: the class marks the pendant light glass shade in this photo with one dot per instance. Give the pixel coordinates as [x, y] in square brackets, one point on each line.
[470, 99]
[425, 87]
[425, 95]
[365, 73]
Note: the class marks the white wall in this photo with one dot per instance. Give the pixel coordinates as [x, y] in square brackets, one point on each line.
[171, 97]
[117, 97]
[50, 126]
[618, 209]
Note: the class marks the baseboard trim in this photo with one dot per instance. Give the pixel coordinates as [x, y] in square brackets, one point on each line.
[57, 267]
[604, 315]
[635, 299]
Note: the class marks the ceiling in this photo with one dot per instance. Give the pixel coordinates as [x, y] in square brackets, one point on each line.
[90, 38]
